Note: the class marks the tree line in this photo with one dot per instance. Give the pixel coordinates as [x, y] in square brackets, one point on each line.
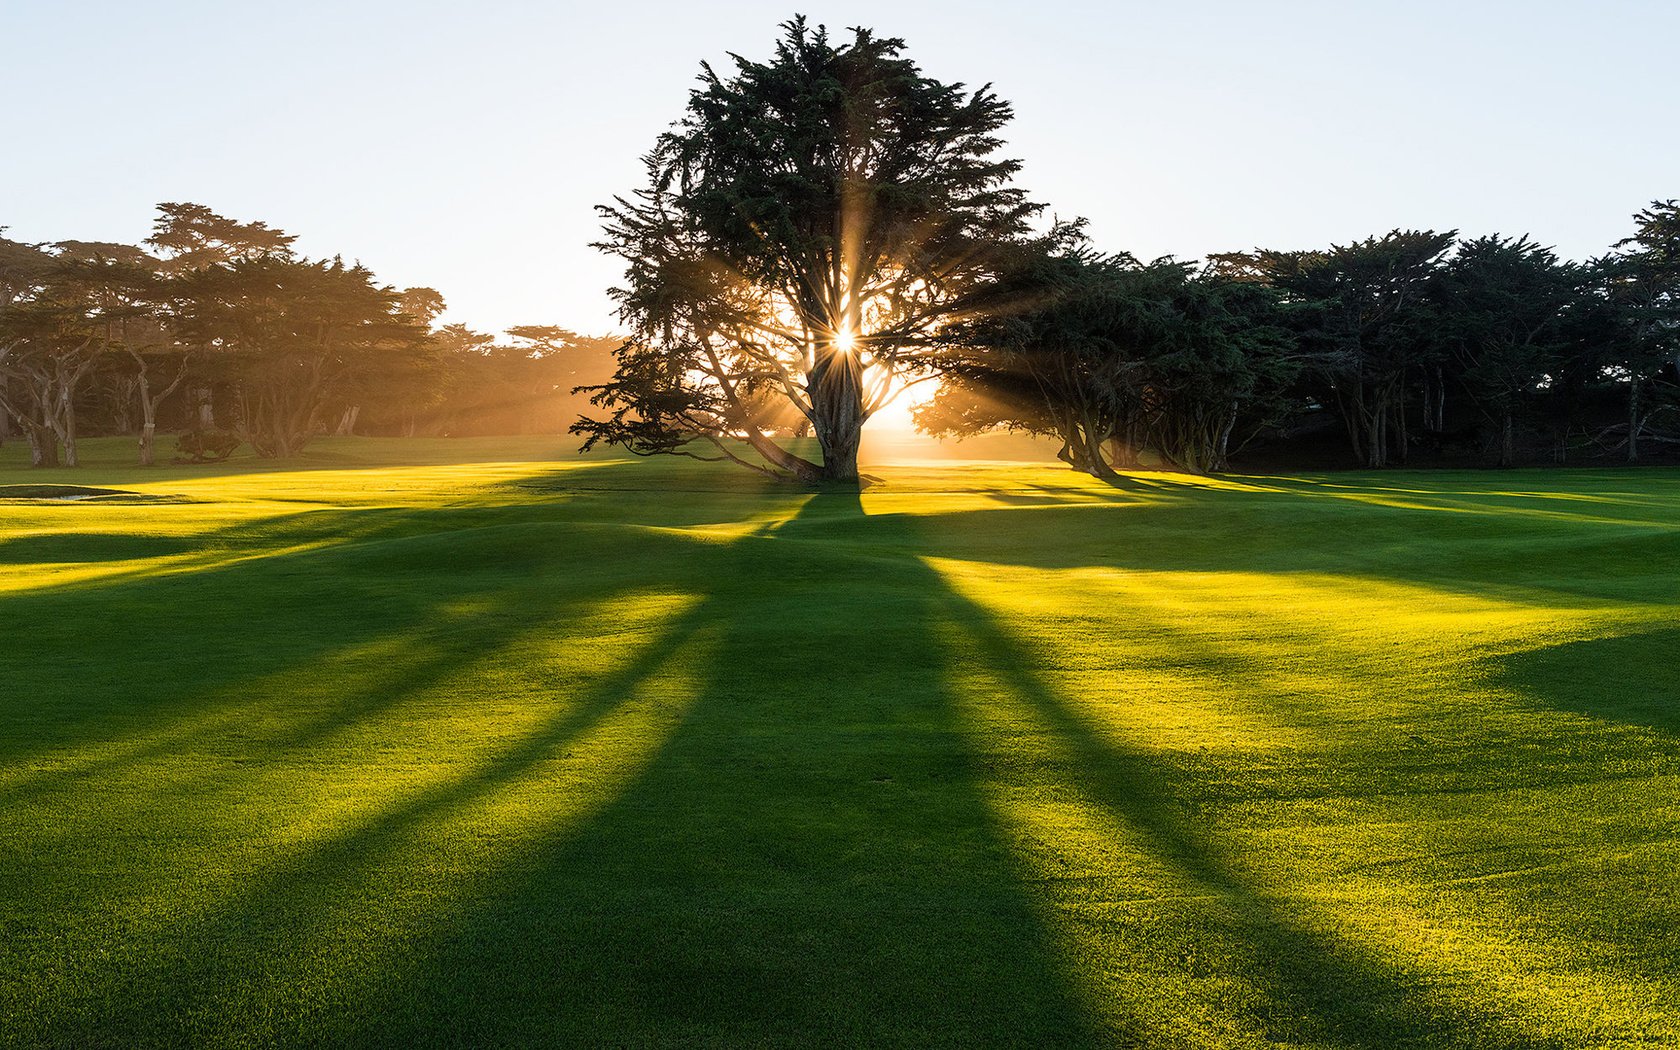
[1418, 345]
[218, 329]
[824, 229]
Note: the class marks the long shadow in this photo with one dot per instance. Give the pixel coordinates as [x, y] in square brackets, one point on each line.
[135, 665]
[1326, 991]
[815, 836]
[807, 859]
[211, 976]
[1212, 531]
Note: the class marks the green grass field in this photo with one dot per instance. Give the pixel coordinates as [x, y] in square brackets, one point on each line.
[480, 743]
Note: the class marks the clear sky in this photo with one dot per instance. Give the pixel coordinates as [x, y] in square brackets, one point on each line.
[462, 145]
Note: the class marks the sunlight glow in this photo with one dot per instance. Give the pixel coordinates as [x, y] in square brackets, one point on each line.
[845, 340]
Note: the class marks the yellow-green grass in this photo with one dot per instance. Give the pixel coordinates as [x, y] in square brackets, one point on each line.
[480, 743]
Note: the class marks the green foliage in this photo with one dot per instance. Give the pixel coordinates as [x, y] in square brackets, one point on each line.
[1642, 280]
[298, 331]
[805, 234]
[1499, 307]
[1358, 310]
[1112, 356]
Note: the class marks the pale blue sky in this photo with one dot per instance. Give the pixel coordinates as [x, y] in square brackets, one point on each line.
[462, 145]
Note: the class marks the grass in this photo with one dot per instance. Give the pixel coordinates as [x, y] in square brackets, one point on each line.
[443, 743]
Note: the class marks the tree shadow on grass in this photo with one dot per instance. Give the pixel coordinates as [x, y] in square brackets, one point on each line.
[811, 856]
[808, 854]
[1322, 989]
[131, 666]
[1626, 678]
[804, 860]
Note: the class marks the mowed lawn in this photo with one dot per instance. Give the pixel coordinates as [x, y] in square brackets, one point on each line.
[481, 743]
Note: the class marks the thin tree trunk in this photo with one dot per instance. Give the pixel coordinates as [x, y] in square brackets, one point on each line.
[1400, 424]
[1222, 451]
[1122, 453]
[66, 422]
[1633, 420]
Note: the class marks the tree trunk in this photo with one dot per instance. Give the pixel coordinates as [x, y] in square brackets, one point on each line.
[1374, 437]
[148, 441]
[1633, 420]
[1096, 463]
[66, 424]
[839, 443]
[1400, 425]
[1507, 439]
[835, 385]
[347, 422]
[1222, 451]
[43, 445]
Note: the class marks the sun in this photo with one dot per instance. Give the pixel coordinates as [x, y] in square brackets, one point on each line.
[845, 340]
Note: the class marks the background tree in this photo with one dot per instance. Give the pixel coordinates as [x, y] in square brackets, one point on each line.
[403, 374]
[21, 268]
[1643, 281]
[1498, 306]
[191, 238]
[1116, 357]
[1358, 310]
[806, 232]
[133, 303]
[62, 311]
[301, 332]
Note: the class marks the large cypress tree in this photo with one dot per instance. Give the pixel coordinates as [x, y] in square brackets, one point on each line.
[806, 233]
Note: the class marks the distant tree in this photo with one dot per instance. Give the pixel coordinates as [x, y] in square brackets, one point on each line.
[191, 237]
[400, 376]
[1499, 306]
[1117, 356]
[301, 332]
[1358, 308]
[21, 269]
[805, 234]
[1217, 356]
[57, 316]
[1052, 367]
[422, 305]
[526, 383]
[1642, 280]
[133, 303]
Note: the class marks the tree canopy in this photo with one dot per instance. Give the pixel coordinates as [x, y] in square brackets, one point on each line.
[806, 234]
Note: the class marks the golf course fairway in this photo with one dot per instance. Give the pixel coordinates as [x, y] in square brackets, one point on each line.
[480, 742]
